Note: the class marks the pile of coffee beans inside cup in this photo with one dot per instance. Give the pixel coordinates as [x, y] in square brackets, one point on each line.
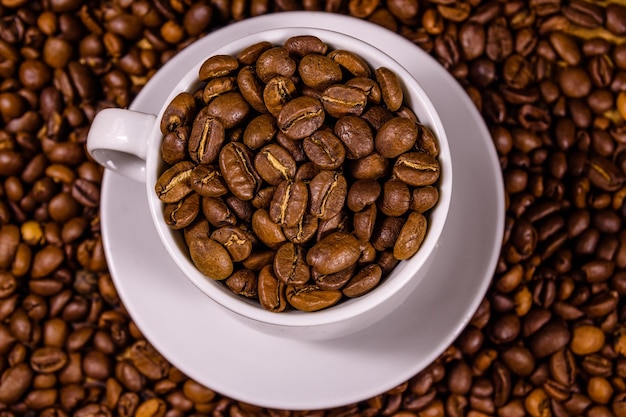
[297, 174]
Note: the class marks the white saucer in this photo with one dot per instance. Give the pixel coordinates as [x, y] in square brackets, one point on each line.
[213, 348]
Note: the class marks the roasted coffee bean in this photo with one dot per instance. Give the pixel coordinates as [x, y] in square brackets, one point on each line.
[369, 87]
[243, 282]
[386, 233]
[411, 236]
[290, 266]
[301, 117]
[230, 109]
[175, 182]
[362, 193]
[333, 281]
[266, 230]
[324, 149]
[182, 213]
[363, 281]
[328, 191]
[206, 138]
[396, 137]
[237, 170]
[271, 291]
[236, 241]
[277, 92]
[274, 164]
[179, 112]
[351, 62]
[211, 258]
[217, 66]
[275, 61]
[251, 88]
[174, 145]
[424, 198]
[341, 100]
[310, 298]
[207, 181]
[304, 231]
[259, 131]
[318, 71]
[302, 45]
[334, 253]
[356, 135]
[372, 166]
[289, 203]
[390, 88]
[395, 198]
[417, 169]
[217, 212]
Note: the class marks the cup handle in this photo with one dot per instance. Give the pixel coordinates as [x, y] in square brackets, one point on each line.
[118, 140]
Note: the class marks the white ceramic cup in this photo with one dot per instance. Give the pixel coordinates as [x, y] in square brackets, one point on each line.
[128, 142]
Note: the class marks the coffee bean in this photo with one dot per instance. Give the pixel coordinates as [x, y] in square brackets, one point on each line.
[310, 298]
[210, 258]
[334, 253]
[271, 291]
[417, 169]
[237, 170]
[274, 164]
[324, 149]
[289, 203]
[301, 117]
[396, 137]
[328, 192]
[356, 135]
[179, 112]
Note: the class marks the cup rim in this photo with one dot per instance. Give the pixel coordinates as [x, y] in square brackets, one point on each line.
[347, 309]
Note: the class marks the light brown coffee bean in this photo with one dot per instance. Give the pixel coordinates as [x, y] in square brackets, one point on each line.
[304, 231]
[207, 181]
[424, 198]
[363, 281]
[362, 193]
[310, 298]
[372, 166]
[364, 222]
[259, 131]
[229, 108]
[417, 169]
[328, 191]
[206, 138]
[251, 88]
[334, 253]
[211, 258]
[341, 100]
[274, 164]
[236, 241]
[356, 135]
[266, 230]
[390, 87]
[289, 203]
[271, 291]
[179, 112]
[175, 182]
[371, 89]
[396, 137]
[182, 213]
[301, 117]
[250, 54]
[350, 61]
[275, 61]
[217, 86]
[411, 236]
[395, 198]
[217, 212]
[278, 91]
[302, 45]
[217, 66]
[243, 282]
[318, 71]
[333, 281]
[386, 233]
[290, 266]
[236, 166]
[324, 149]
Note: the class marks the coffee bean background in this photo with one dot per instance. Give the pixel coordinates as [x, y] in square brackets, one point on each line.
[549, 77]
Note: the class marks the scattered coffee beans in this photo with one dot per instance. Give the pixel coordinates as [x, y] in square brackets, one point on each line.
[303, 154]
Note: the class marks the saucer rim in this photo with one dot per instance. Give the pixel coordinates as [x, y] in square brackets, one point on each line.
[326, 402]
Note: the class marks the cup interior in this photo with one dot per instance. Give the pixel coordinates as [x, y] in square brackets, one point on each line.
[397, 280]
